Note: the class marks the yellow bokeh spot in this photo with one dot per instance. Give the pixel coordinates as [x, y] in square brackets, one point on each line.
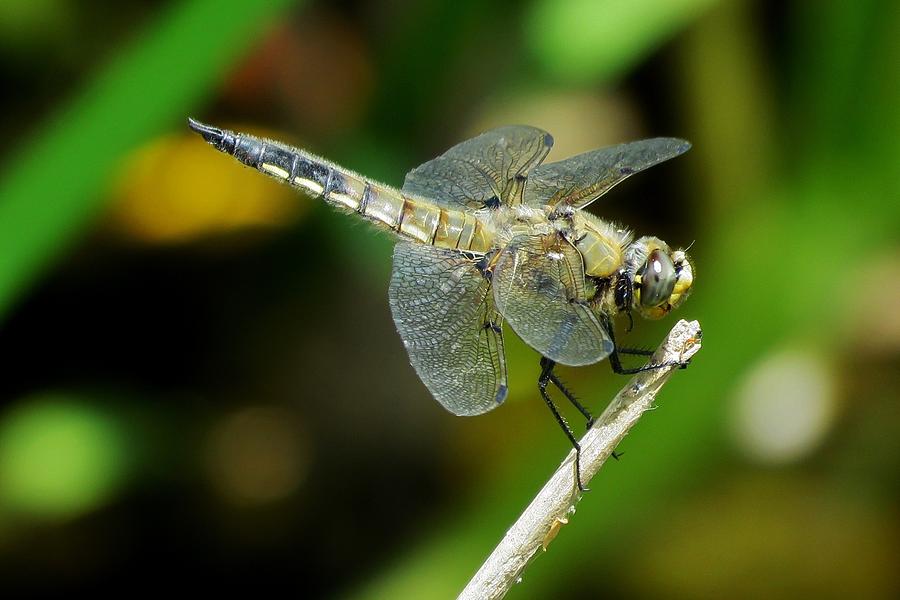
[257, 455]
[178, 188]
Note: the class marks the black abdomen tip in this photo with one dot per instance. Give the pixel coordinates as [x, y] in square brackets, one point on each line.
[220, 139]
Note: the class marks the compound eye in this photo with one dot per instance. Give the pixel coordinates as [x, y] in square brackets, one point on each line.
[657, 279]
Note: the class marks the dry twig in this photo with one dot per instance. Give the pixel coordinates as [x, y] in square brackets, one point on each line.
[550, 509]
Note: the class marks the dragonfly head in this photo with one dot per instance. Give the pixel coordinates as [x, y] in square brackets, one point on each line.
[661, 278]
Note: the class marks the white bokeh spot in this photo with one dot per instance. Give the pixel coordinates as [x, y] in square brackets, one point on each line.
[784, 407]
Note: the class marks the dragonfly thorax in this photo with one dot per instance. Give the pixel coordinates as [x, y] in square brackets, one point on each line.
[600, 243]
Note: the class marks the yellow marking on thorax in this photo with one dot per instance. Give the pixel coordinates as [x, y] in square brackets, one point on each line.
[601, 244]
[602, 256]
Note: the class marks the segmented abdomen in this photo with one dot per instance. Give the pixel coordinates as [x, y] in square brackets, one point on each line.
[414, 218]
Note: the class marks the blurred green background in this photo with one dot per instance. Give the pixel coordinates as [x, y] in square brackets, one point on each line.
[202, 386]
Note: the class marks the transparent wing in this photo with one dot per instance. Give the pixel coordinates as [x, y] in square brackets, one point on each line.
[445, 314]
[581, 179]
[540, 290]
[483, 171]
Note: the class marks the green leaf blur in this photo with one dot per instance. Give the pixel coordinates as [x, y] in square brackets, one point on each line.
[54, 185]
[59, 457]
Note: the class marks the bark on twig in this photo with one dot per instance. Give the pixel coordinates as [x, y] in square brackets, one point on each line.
[550, 509]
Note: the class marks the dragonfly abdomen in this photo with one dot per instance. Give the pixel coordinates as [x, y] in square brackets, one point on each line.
[415, 218]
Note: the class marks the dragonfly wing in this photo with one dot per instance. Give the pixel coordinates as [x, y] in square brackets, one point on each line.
[445, 313]
[540, 290]
[483, 171]
[581, 179]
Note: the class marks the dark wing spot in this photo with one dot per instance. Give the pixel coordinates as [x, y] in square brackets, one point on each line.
[501, 394]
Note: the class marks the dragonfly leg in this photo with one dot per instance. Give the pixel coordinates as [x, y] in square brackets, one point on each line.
[617, 367]
[543, 380]
[548, 365]
[635, 351]
[616, 363]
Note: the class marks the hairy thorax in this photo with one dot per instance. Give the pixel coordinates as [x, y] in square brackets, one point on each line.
[601, 244]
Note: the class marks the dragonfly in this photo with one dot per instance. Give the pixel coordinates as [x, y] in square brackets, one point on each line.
[489, 234]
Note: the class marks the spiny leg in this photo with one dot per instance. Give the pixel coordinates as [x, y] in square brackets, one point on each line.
[543, 380]
[635, 351]
[548, 364]
[616, 363]
[617, 367]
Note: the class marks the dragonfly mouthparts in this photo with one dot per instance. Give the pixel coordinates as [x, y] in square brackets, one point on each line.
[221, 140]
